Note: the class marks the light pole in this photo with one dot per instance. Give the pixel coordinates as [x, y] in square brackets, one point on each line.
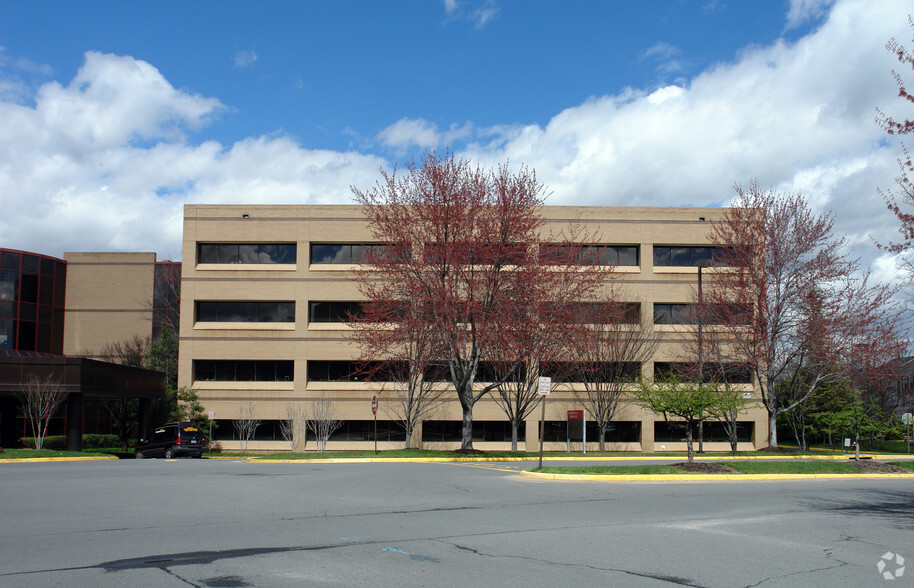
[701, 362]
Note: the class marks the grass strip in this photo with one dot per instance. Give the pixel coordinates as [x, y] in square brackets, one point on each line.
[615, 470]
[34, 453]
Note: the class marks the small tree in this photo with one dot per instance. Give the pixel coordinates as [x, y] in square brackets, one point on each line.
[39, 399]
[246, 426]
[689, 401]
[322, 421]
[294, 427]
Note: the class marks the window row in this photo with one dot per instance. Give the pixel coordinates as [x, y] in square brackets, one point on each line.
[354, 253]
[688, 314]
[245, 312]
[682, 256]
[560, 372]
[249, 253]
[243, 370]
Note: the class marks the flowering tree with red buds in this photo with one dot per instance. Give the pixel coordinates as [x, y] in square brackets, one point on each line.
[904, 182]
[789, 298]
[460, 261]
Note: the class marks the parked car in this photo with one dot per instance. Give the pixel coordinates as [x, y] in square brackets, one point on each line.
[173, 440]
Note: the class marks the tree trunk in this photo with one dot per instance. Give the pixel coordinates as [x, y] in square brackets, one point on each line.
[409, 436]
[466, 404]
[772, 429]
[689, 442]
[514, 425]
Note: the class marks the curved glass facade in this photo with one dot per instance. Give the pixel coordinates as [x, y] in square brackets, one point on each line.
[32, 296]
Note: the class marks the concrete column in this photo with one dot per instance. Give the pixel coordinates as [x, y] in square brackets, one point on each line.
[75, 422]
[144, 416]
[9, 435]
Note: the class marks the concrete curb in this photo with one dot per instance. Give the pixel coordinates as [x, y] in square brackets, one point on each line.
[707, 477]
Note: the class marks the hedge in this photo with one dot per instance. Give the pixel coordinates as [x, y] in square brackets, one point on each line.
[59, 442]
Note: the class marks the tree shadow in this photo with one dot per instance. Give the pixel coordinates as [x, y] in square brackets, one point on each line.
[894, 507]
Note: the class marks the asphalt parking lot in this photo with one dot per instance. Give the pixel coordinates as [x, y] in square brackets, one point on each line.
[233, 523]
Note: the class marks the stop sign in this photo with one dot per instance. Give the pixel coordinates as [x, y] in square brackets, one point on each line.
[374, 405]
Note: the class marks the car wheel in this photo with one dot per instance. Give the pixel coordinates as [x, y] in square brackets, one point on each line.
[198, 455]
[169, 453]
[139, 455]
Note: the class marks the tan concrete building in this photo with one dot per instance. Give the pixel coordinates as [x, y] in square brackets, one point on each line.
[262, 288]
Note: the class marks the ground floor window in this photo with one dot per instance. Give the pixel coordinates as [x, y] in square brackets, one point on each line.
[365, 430]
[714, 432]
[617, 432]
[440, 431]
[268, 430]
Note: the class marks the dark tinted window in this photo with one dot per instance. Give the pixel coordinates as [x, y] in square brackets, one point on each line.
[246, 253]
[246, 312]
[686, 256]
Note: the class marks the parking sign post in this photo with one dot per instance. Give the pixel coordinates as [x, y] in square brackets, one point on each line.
[545, 386]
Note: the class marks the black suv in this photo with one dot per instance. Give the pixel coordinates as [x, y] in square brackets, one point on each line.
[173, 440]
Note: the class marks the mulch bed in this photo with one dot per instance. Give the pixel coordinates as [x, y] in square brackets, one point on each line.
[868, 466]
[701, 467]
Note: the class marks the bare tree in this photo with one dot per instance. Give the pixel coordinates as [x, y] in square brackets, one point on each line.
[322, 421]
[246, 426]
[606, 354]
[39, 399]
[460, 245]
[294, 427]
[410, 349]
[788, 283]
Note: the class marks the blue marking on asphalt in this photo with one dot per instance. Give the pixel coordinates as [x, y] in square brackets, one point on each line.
[394, 549]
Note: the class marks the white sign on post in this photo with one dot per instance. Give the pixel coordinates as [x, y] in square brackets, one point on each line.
[212, 414]
[545, 386]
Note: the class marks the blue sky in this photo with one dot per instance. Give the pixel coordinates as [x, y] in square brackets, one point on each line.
[115, 114]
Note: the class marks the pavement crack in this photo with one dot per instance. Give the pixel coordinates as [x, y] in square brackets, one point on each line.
[661, 577]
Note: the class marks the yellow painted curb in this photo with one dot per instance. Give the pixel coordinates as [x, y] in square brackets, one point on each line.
[44, 459]
[705, 477]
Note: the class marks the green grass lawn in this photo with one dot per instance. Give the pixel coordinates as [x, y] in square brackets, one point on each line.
[426, 453]
[746, 467]
[616, 470]
[32, 453]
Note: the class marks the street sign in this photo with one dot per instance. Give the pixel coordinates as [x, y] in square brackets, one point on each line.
[575, 415]
[545, 386]
[907, 418]
[374, 405]
[212, 414]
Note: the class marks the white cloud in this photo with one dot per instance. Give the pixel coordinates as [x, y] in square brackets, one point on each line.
[802, 11]
[479, 12]
[104, 163]
[244, 58]
[407, 133]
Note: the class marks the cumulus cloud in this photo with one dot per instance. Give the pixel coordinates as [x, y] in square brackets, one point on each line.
[104, 163]
[407, 133]
[107, 161]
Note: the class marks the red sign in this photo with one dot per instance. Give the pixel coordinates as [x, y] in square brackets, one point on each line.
[575, 415]
[374, 405]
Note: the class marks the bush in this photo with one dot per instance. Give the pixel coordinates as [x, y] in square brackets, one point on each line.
[59, 442]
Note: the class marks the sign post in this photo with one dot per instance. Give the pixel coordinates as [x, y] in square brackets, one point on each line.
[212, 415]
[374, 411]
[545, 386]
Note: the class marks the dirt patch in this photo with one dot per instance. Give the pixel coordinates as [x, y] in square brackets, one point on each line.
[464, 452]
[700, 467]
[777, 450]
[868, 466]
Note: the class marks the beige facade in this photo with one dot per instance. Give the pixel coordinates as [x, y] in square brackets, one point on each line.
[109, 299]
[299, 341]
